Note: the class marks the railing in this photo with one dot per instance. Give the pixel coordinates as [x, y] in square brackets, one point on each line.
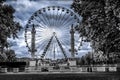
[82, 68]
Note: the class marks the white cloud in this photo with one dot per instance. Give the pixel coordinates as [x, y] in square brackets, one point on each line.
[24, 9]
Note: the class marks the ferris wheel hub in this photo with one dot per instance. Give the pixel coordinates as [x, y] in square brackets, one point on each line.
[54, 33]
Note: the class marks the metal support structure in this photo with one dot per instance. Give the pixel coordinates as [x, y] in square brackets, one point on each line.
[61, 47]
[33, 50]
[72, 42]
[48, 45]
[46, 48]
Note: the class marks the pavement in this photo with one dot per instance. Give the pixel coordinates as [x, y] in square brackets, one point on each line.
[60, 76]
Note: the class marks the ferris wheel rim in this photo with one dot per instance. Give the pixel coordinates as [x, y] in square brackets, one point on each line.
[41, 10]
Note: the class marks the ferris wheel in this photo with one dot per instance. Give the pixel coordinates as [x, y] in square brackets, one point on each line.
[47, 32]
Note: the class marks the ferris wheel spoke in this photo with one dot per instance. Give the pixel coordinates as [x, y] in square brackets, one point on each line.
[67, 16]
[50, 17]
[59, 18]
[67, 42]
[40, 40]
[39, 30]
[68, 22]
[55, 13]
[65, 28]
[41, 47]
[53, 21]
[39, 24]
[40, 44]
[42, 27]
[62, 42]
[50, 21]
[56, 16]
[39, 50]
[45, 15]
[62, 18]
[65, 19]
[64, 38]
[46, 19]
[53, 17]
[37, 20]
[42, 19]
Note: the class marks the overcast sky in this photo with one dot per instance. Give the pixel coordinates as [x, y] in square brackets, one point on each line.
[24, 9]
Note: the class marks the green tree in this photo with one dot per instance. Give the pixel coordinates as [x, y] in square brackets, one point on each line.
[11, 57]
[100, 23]
[8, 27]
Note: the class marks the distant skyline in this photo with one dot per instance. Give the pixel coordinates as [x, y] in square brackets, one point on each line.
[24, 9]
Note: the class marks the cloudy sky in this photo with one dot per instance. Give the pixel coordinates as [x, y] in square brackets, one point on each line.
[24, 9]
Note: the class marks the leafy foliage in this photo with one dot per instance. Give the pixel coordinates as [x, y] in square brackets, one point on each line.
[8, 27]
[11, 57]
[100, 24]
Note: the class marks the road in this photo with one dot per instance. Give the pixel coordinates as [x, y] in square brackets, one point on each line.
[61, 76]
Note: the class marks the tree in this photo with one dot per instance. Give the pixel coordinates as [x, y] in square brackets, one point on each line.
[8, 27]
[100, 23]
[11, 57]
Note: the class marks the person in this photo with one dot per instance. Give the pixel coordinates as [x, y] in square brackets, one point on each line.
[68, 63]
